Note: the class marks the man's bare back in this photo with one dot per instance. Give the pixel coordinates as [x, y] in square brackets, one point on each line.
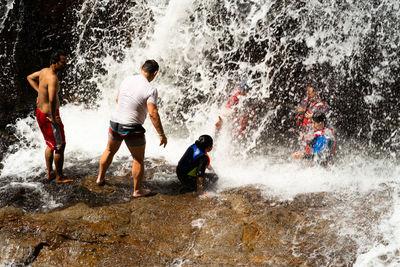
[47, 81]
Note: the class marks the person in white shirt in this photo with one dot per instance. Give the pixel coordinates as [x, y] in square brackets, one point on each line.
[136, 97]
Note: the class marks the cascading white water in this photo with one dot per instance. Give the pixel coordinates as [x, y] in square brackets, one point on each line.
[203, 48]
[5, 9]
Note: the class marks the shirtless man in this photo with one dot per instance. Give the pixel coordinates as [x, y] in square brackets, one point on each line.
[45, 82]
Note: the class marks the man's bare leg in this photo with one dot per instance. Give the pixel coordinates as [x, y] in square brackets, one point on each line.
[59, 163]
[106, 158]
[137, 153]
[48, 155]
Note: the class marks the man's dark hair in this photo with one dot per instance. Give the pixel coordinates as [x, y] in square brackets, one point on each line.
[315, 89]
[150, 66]
[319, 117]
[204, 141]
[55, 56]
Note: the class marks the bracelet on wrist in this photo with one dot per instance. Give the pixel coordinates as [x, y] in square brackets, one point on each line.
[161, 134]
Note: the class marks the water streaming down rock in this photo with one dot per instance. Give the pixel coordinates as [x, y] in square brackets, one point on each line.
[349, 50]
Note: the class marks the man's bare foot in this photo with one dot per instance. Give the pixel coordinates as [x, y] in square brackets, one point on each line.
[62, 180]
[142, 193]
[100, 182]
[50, 176]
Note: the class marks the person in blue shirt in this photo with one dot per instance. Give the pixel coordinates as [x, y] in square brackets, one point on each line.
[320, 145]
[192, 166]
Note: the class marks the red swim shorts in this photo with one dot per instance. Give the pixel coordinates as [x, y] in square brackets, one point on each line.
[53, 133]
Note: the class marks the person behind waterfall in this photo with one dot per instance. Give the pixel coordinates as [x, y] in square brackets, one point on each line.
[306, 108]
[238, 94]
[320, 145]
[136, 97]
[192, 166]
[45, 82]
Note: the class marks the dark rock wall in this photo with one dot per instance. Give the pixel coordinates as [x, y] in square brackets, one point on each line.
[32, 30]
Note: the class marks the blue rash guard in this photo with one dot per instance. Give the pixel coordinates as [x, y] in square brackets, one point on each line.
[321, 146]
[193, 163]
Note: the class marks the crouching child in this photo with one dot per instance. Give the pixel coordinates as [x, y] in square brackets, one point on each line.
[192, 166]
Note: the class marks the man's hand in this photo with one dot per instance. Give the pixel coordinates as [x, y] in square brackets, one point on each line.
[309, 115]
[300, 109]
[163, 140]
[218, 124]
[54, 120]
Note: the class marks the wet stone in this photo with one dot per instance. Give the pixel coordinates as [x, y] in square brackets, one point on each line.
[102, 226]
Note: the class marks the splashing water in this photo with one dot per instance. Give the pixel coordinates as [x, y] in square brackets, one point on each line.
[204, 48]
[5, 9]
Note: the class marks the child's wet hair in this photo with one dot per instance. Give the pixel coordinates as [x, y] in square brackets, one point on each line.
[319, 117]
[204, 142]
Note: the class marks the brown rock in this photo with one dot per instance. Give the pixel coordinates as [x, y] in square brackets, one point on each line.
[238, 228]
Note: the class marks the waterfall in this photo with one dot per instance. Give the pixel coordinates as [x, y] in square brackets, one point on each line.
[349, 50]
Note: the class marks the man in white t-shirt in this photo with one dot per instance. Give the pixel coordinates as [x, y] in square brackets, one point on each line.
[136, 97]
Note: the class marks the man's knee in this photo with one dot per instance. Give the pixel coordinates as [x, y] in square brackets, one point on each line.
[110, 150]
[139, 160]
[59, 150]
[137, 153]
[112, 147]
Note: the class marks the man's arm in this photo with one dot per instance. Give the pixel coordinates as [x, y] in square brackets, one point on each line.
[225, 114]
[302, 106]
[155, 119]
[33, 80]
[52, 89]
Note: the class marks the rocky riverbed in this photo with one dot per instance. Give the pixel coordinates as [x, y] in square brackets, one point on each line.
[104, 226]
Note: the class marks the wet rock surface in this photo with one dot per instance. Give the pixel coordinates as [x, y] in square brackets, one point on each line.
[103, 226]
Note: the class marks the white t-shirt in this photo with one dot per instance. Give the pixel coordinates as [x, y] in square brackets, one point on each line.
[134, 93]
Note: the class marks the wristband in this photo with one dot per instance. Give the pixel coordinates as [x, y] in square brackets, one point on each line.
[161, 134]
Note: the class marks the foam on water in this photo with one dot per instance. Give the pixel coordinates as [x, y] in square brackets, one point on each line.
[182, 39]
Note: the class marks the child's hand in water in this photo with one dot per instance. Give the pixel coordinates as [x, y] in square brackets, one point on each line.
[298, 155]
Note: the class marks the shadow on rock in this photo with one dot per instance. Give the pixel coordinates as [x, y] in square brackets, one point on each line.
[38, 194]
